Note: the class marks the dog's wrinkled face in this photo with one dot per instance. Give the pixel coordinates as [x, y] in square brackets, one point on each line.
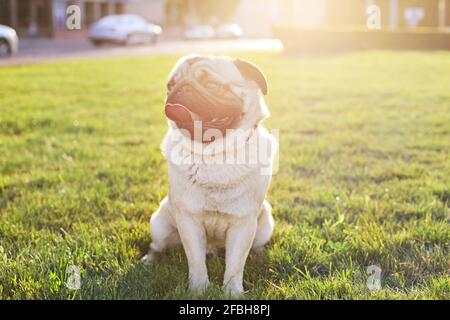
[220, 92]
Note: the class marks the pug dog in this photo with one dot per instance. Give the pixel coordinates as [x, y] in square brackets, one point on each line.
[217, 196]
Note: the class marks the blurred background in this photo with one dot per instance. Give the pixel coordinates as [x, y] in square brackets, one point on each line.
[52, 27]
[364, 177]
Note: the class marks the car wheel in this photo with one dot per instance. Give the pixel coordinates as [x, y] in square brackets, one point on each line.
[5, 49]
[132, 39]
[153, 39]
[97, 42]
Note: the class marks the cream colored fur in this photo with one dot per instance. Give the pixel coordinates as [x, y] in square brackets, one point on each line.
[212, 205]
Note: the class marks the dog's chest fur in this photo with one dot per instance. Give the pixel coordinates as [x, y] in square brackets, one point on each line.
[214, 188]
[232, 189]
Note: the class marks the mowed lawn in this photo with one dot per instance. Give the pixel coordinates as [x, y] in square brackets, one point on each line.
[364, 179]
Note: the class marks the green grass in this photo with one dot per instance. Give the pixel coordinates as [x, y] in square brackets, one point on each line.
[364, 179]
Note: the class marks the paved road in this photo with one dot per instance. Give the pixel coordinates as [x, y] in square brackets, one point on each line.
[41, 50]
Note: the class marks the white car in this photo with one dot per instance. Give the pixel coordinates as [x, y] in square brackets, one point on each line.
[201, 32]
[227, 31]
[125, 29]
[9, 42]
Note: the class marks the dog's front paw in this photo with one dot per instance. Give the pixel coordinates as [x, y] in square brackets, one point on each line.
[149, 258]
[199, 286]
[233, 289]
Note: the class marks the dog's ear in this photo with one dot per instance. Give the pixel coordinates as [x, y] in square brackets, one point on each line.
[252, 72]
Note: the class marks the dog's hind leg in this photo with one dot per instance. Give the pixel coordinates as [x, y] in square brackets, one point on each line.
[163, 231]
[264, 228]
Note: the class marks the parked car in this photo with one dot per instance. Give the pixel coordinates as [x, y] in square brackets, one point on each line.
[9, 42]
[227, 31]
[125, 29]
[201, 32]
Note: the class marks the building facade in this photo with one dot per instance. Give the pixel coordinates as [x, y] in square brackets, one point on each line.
[338, 13]
[256, 17]
[47, 18]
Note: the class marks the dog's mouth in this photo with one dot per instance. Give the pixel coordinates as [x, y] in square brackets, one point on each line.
[190, 103]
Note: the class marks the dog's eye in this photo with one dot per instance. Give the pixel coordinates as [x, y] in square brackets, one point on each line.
[202, 76]
[229, 94]
[211, 85]
[217, 88]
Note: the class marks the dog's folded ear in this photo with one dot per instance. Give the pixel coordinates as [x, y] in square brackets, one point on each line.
[252, 72]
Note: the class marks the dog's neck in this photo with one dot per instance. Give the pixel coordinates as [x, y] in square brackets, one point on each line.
[229, 144]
